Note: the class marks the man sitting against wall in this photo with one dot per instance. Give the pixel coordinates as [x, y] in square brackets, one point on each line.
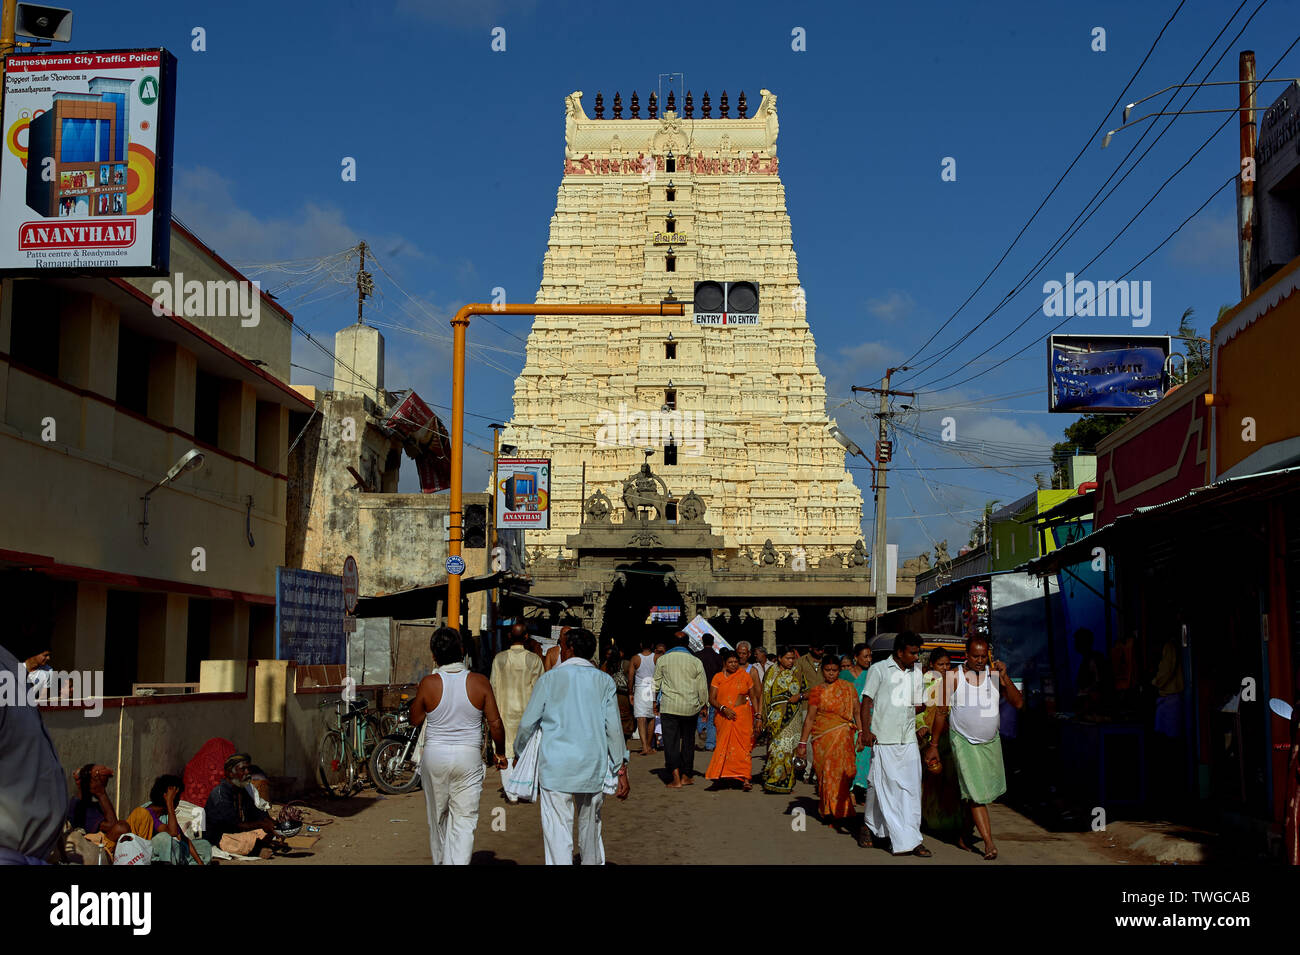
[234, 822]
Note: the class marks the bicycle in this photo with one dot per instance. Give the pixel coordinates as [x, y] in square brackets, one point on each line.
[345, 747]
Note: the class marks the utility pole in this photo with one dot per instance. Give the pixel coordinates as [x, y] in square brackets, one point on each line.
[365, 283]
[494, 615]
[880, 556]
[1246, 187]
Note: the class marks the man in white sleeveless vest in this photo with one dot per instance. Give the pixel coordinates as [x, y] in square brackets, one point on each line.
[973, 713]
[582, 755]
[454, 702]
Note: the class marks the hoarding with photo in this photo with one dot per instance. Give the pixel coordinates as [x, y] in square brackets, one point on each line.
[523, 492]
[1093, 374]
[86, 169]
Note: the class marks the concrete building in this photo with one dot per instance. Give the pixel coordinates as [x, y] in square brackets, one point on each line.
[736, 413]
[101, 392]
[343, 499]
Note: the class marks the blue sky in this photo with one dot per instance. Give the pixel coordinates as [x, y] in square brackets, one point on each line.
[459, 152]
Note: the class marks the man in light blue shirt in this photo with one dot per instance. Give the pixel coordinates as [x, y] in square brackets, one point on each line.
[575, 707]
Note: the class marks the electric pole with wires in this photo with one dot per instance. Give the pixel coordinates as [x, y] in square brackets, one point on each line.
[884, 451]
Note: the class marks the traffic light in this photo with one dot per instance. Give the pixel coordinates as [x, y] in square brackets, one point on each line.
[475, 534]
[726, 303]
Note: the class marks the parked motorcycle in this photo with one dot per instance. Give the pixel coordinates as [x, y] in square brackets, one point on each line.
[395, 760]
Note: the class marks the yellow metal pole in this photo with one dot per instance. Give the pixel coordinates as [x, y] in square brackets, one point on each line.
[7, 28]
[458, 325]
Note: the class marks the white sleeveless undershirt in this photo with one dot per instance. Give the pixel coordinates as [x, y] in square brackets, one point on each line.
[455, 721]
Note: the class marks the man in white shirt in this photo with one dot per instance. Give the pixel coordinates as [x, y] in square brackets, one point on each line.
[514, 673]
[891, 698]
[575, 707]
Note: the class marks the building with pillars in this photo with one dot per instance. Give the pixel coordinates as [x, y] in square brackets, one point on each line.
[100, 395]
[629, 557]
[648, 206]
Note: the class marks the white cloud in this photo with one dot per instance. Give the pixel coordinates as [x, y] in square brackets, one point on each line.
[892, 306]
[1208, 241]
[861, 364]
[205, 201]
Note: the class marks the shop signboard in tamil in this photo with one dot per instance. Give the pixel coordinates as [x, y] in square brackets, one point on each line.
[309, 617]
[523, 493]
[86, 167]
[1093, 374]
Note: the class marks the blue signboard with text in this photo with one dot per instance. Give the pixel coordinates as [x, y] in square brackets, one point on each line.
[309, 617]
[1087, 378]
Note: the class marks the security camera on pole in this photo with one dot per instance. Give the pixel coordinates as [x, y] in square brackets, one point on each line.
[880, 557]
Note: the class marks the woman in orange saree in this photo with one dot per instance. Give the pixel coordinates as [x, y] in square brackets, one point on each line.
[731, 696]
[832, 724]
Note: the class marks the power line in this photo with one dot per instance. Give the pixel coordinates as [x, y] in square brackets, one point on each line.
[1052, 192]
[1076, 225]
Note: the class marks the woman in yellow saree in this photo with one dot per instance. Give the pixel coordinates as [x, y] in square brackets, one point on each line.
[940, 799]
[783, 689]
[732, 697]
[831, 726]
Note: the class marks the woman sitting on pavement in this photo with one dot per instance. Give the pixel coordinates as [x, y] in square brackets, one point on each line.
[156, 821]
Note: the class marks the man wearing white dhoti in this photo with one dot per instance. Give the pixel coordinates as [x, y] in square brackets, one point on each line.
[891, 698]
[582, 754]
[453, 704]
[514, 674]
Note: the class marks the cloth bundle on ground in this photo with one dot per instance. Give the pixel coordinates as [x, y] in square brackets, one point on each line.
[206, 770]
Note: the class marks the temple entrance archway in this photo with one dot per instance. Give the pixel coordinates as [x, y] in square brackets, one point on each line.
[638, 587]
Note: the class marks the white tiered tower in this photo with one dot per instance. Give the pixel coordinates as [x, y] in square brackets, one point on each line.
[652, 204]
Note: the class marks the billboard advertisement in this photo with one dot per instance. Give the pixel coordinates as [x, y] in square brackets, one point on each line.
[1093, 374]
[523, 492]
[309, 617]
[86, 168]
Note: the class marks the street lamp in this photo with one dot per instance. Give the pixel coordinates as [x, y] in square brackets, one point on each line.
[190, 460]
[1105, 140]
[1129, 108]
[848, 444]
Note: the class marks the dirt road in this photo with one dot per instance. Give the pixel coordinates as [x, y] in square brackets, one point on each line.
[659, 826]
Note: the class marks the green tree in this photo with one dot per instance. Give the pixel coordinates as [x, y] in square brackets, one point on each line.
[1196, 349]
[1081, 437]
[977, 529]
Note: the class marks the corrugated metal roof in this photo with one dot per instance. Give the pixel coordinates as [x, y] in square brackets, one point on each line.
[1240, 488]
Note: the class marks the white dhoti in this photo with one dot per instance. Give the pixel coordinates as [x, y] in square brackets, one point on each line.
[559, 812]
[453, 783]
[893, 807]
[643, 701]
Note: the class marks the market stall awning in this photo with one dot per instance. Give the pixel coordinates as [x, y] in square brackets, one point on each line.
[1148, 520]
